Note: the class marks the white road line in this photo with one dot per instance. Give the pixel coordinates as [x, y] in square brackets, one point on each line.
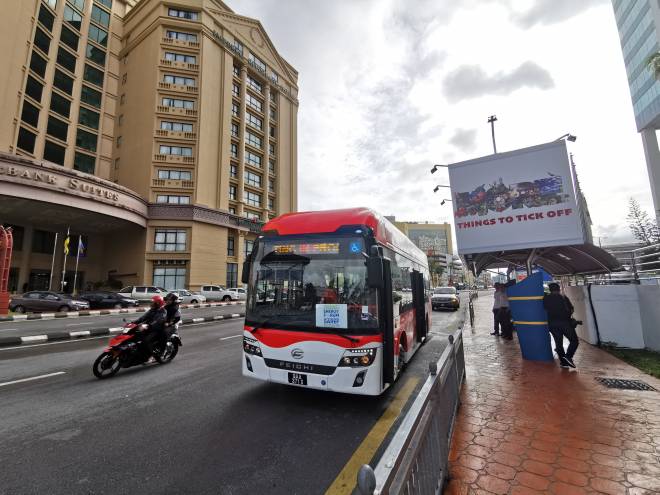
[197, 320]
[76, 324]
[231, 337]
[116, 330]
[47, 316]
[25, 346]
[7, 329]
[32, 378]
[80, 333]
[235, 315]
[35, 338]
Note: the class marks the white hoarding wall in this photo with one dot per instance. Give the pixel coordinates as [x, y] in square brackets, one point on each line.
[515, 200]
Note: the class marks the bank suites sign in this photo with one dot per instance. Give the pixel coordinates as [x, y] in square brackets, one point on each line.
[515, 200]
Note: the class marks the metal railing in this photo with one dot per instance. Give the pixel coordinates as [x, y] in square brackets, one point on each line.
[416, 459]
[642, 265]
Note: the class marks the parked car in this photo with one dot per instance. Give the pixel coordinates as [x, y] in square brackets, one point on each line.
[215, 293]
[40, 301]
[101, 299]
[187, 297]
[238, 293]
[142, 292]
[445, 298]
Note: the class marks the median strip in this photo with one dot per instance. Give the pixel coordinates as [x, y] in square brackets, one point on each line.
[95, 332]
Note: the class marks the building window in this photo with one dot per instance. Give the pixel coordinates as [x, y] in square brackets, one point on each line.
[120, 120]
[256, 62]
[63, 82]
[26, 140]
[235, 111]
[100, 16]
[248, 246]
[86, 140]
[66, 60]
[90, 96]
[60, 105]
[57, 128]
[173, 102]
[38, 64]
[254, 121]
[183, 14]
[107, 3]
[95, 54]
[271, 204]
[253, 102]
[180, 57]
[98, 35]
[54, 153]
[177, 35]
[237, 71]
[253, 139]
[46, 18]
[73, 18]
[252, 198]
[169, 278]
[88, 118]
[93, 75]
[233, 170]
[232, 210]
[173, 199]
[271, 186]
[52, 4]
[30, 114]
[234, 130]
[175, 150]
[253, 159]
[238, 47]
[79, 4]
[254, 84]
[69, 38]
[271, 149]
[41, 41]
[119, 141]
[252, 179]
[274, 77]
[273, 114]
[179, 80]
[43, 242]
[233, 150]
[170, 240]
[232, 192]
[175, 174]
[252, 215]
[271, 166]
[176, 126]
[232, 274]
[33, 88]
[273, 97]
[236, 90]
[85, 163]
[231, 246]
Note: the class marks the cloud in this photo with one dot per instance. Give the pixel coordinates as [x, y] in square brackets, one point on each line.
[471, 81]
[464, 139]
[546, 12]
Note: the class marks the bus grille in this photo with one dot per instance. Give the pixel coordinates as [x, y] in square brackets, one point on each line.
[300, 367]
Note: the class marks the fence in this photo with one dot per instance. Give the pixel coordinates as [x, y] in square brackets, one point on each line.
[642, 266]
[416, 459]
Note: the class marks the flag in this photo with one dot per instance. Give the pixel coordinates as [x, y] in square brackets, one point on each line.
[81, 247]
[66, 245]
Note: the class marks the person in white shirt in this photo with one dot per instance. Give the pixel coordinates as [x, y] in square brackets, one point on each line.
[501, 311]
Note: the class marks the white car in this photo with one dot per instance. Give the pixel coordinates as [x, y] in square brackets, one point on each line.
[445, 298]
[238, 293]
[215, 293]
[142, 292]
[187, 297]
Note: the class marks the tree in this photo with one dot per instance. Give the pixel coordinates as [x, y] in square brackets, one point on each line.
[653, 64]
[642, 227]
[436, 269]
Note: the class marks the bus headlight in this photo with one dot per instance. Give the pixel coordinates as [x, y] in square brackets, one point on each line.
[357, 357]
[250, 346]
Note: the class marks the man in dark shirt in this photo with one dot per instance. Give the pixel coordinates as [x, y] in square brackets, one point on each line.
[560, 310]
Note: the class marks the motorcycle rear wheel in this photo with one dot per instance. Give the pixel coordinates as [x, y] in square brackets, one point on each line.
[106, 365]
[171, 350]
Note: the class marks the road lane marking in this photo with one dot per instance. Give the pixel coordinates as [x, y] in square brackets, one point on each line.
[34, 338]
[80, 333]
[76, 324]
[345, 482]
[7, 329]
[197, 320]
[231, 337]
[32, 378]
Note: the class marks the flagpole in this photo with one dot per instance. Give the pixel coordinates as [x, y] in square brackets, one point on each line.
[52, 264]
[75, 273]
[64, 265]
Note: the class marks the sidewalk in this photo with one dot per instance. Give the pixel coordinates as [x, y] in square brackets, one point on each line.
[525, 427]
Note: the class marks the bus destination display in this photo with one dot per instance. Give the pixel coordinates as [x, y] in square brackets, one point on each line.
[308, 248]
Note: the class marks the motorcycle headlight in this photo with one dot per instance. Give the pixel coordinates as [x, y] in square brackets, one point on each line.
[357, 357]
[250, 346]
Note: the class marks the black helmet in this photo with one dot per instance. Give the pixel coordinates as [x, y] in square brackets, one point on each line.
[172, 297]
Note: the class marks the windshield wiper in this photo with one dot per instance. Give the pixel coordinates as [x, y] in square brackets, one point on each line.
[347, 337]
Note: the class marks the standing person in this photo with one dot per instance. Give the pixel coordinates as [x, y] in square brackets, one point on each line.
[560, 310]
[501, 310]
[497, 301]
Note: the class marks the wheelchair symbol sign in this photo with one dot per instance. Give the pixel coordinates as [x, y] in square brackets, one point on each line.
[355, 247]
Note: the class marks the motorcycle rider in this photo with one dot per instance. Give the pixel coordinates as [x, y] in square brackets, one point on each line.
[155, 318]
[172, 318]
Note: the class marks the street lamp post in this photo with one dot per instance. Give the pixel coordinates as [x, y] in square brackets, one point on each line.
[438, 187]
[444, 201]
[568, 136]
[491, 120]
[435, 168]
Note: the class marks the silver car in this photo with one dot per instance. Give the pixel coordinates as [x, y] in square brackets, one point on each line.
[238, 293]
[187, 297]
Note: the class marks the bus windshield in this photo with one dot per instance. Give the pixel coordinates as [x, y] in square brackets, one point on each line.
[311, 283]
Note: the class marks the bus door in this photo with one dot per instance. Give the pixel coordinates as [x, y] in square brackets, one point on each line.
[419, 303]
[379, 275]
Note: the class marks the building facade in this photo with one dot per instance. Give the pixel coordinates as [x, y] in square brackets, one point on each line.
[161, 135]
[638, 23]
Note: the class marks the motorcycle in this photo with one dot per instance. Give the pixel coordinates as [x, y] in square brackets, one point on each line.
[126, 349]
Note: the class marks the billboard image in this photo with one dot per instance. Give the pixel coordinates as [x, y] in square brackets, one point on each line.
[515, 200]
[432, 242]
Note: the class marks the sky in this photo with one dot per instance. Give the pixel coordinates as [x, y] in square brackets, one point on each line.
[388, 88]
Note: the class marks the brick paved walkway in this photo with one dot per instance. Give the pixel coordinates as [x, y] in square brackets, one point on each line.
[527, 428]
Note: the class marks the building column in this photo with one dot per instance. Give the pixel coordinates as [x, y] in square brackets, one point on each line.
[240, 257]
[652, 154]
[266, 163]
[26, 254]
[241, 143]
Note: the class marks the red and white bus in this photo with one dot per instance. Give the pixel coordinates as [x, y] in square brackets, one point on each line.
[337, 300]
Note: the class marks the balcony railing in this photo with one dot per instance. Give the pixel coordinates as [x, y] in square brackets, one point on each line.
[174, 158]
[172, 41]
[177, 111]
[176, 134]
[178, 87]
[179, 65]
[176, 184]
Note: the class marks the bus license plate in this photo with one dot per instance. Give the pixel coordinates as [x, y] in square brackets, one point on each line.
[297, 379]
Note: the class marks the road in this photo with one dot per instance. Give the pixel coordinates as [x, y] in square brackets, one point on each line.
[195, 425]
[36, 327]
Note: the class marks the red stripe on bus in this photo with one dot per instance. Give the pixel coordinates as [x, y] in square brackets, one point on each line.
[284, 338]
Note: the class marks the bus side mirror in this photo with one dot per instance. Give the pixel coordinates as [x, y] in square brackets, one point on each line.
[375, 272]
[245, 274]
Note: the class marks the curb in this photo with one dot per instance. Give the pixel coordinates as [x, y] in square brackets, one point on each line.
[95, 332]
[104, 312]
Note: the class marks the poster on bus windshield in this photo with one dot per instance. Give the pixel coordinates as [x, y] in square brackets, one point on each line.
[515, 200]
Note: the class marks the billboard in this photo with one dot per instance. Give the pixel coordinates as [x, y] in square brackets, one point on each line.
[432, 242]
[515, 200]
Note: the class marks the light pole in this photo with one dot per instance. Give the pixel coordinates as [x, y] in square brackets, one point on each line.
[435, 168]
[491, 120]
[568, 136]
[438, 187]
[444, 201]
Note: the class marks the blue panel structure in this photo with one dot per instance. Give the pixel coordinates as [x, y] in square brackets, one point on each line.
[530, 319]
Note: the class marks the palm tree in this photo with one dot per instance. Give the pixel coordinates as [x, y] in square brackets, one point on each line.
[653, 64]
